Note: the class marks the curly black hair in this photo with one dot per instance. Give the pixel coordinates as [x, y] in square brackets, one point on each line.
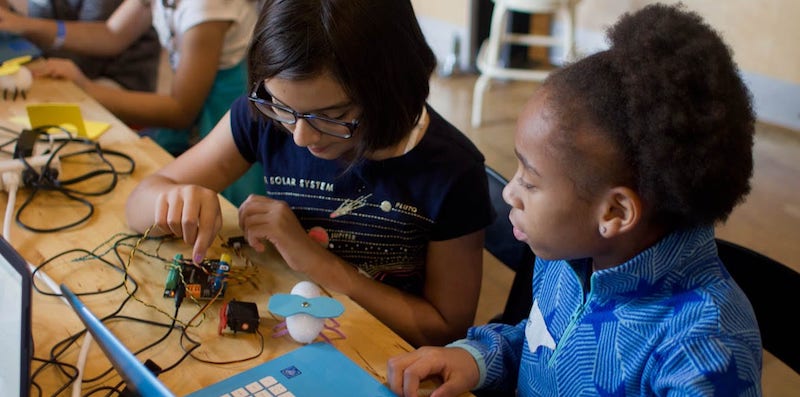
[668, 96]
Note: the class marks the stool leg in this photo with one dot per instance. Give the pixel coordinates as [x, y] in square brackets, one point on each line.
[497, 33]
[569, 33]
[489, 60]
[481, 84]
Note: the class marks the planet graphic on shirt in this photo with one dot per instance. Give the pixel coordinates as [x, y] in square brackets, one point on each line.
[320, 235]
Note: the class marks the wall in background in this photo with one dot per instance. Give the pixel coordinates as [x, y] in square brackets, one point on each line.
[447, 26]
[763, 35]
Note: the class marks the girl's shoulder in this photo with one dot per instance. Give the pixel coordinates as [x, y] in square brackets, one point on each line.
[446, 141]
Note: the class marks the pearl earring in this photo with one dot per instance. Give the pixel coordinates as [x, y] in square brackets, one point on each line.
[602, 230]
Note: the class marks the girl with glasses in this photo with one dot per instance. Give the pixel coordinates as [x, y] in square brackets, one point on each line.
[370, 192]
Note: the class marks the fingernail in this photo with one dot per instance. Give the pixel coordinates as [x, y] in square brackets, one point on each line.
[198, 258]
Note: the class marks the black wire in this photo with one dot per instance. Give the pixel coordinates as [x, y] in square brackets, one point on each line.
[240, 360]
[102, 153]
[61, 347]
[61, 365]
[18, 218]
[37, 387]
[71, 339]
[45, 263]
[9, 130]
[115, 389]
[47, 181]
[180, 360]
[111, 390]
[9, 143]
[170, 327]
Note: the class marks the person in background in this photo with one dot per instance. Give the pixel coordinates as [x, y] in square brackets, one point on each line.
[627, 159]
[370, 192]
[206, 41]
[135, 68]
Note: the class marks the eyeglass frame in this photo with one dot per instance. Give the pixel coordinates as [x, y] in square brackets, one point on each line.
[253, 97]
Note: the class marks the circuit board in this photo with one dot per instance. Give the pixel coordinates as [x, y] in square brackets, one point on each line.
[206, 280]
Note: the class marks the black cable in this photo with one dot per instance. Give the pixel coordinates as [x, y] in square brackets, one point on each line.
[46, 179]
[180, 360]
[202, 360]
[7, 143]
[37, 387]
[86, 253]
[61, 365]
[61, 346]
[118, 245]
[102, 153]
[111, 390]
[18, 218]
[9, 130]
[170, 327]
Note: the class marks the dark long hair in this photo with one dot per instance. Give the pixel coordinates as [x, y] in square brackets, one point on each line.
[374, 49]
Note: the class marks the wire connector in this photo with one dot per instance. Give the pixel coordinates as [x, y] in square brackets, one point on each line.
[26, 143]
[10, 180]
[39, 164]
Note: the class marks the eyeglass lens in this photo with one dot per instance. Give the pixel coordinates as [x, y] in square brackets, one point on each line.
[281, 114]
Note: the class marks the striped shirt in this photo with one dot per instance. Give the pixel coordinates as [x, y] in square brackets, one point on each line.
[669, 321]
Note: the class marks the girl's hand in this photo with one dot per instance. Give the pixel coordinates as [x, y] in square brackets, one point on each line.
[190, 212]
[262, 218]
[60, 68]
[456, 368]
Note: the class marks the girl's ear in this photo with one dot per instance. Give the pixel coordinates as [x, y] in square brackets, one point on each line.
[620, 211]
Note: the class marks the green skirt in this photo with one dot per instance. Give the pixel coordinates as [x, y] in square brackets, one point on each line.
[229, 84]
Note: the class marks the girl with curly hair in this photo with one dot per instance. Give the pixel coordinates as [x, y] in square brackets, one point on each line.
[626, 160]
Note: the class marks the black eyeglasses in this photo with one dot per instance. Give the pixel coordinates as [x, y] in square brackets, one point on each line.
[287, 115]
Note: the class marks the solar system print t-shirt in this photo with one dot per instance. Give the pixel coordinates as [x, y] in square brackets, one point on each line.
[378, 215]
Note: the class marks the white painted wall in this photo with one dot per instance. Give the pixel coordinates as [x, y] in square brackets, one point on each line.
[763, 34]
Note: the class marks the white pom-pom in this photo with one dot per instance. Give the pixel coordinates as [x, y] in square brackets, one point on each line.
[306, 289]
[7, 83]
[15, 78]
[7, 79]
[23, 79]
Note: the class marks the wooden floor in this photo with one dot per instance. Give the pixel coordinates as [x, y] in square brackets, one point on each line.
[768, 222]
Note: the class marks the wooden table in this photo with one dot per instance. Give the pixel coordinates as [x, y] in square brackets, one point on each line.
[59, 91]
[368, 342]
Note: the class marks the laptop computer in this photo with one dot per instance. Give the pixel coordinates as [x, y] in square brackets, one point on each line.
[15, 321]
[138, 378]
[313, 370]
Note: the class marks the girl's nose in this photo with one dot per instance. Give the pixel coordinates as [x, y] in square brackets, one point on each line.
[508, 194]
[304, 134]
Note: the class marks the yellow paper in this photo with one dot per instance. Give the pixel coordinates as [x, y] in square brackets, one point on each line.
[64, 115]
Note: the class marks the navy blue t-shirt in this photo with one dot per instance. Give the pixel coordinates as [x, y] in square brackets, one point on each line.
[379, 215]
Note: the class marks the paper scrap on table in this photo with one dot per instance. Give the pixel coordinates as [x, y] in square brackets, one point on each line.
[65, 115]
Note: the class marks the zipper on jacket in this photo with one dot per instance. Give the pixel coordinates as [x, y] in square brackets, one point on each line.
[576, 316]
[573, 323]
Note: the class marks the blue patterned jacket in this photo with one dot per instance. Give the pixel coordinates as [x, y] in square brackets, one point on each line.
[671, 321]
